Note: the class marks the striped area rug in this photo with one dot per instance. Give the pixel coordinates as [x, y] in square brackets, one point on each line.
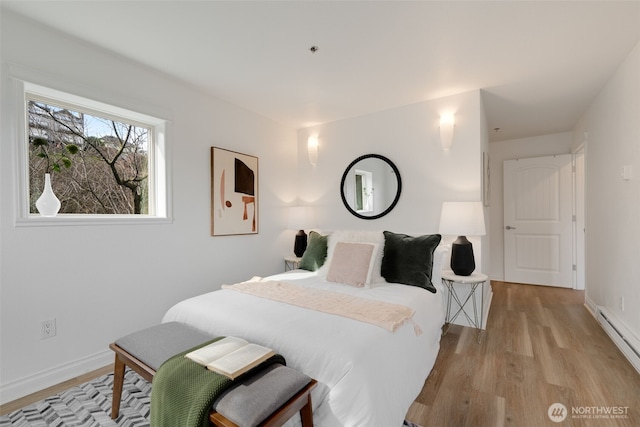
[89, 405]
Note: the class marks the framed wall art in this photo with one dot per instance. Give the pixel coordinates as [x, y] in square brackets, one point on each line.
[234, 193]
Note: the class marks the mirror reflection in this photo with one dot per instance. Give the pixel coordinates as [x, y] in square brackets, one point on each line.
[370, 186]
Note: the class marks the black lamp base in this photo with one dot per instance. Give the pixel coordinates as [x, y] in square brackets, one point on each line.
[462, 260]
[300, 244]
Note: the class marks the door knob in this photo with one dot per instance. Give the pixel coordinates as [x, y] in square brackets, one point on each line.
[508, 227]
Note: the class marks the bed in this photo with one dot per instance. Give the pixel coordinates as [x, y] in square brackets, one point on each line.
[367, 375]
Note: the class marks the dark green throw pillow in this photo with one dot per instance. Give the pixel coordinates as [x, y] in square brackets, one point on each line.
[316, 252]
[409, 260]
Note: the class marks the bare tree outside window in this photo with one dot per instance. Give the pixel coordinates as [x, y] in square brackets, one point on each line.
[98, 165]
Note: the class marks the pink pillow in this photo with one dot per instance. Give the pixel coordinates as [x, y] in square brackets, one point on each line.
[352, 263]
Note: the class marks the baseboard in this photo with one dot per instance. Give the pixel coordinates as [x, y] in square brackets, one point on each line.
[626, 341]
[591, 306]
[50, 377]
[487, 306]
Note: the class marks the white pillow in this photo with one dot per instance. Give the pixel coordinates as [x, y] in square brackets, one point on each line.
[352, 263]
[356, 236]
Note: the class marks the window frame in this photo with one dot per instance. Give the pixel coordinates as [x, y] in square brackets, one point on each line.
[160, 200]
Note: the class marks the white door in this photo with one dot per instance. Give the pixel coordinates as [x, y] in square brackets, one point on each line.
[538, 232]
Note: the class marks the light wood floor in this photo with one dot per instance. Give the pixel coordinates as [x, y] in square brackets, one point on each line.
[541, 346]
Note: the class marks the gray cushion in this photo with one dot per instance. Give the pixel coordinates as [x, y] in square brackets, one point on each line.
[260, 395]
[156, 344]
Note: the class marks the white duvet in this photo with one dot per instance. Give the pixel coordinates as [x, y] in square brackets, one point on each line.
[366, 375]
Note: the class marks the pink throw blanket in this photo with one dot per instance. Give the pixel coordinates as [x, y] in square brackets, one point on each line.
[383, 314]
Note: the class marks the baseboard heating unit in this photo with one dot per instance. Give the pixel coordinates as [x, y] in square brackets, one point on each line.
[621, 335]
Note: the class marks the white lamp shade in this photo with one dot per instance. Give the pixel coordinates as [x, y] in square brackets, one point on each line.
[300, 218]
[462, 219]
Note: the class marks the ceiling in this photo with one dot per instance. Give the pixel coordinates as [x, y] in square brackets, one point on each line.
[539, 64]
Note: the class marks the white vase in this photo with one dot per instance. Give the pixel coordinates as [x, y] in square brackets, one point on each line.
[48, 204]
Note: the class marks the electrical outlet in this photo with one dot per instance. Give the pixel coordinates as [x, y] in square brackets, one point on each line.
[625, 172]
[47, 329]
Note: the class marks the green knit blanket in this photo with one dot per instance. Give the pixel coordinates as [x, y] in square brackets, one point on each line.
[183, 392]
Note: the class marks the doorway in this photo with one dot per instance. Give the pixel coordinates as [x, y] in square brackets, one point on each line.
[538, 221]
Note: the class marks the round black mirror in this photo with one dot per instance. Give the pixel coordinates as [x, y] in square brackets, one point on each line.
[370, 186]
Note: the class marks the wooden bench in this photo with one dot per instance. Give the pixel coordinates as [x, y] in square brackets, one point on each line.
[289, 391]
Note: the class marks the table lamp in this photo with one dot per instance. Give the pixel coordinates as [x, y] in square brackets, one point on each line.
[462, 219]
[300, 217]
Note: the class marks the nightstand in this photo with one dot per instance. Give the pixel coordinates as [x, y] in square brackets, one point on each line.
[291, 262]
[475, 280]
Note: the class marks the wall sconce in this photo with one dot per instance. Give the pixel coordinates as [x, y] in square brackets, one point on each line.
[312, 149]
[447, 124]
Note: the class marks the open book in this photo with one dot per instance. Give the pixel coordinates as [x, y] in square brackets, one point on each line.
[230, 356]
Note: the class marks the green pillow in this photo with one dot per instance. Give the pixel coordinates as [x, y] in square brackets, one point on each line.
[409, 260]
[316, 252]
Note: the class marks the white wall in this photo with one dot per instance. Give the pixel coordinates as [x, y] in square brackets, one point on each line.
[613, 204]
[537, 146]
[101, 282]
[409, 136]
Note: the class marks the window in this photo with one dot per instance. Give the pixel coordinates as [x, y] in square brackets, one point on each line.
[105, 162]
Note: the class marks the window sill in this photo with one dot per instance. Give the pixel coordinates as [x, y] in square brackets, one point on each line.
[79, 220]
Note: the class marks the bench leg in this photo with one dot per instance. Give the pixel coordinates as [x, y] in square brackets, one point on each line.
[118, 381]
[306, 413]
